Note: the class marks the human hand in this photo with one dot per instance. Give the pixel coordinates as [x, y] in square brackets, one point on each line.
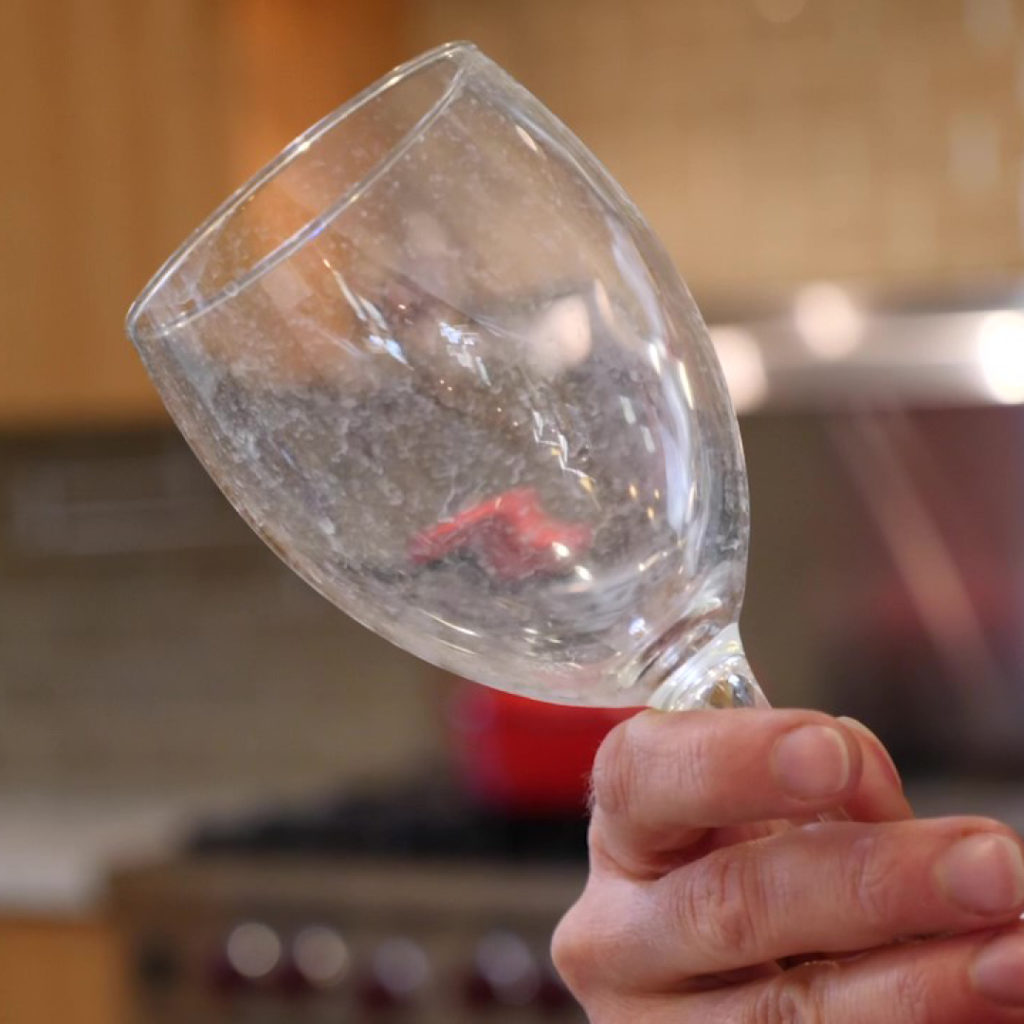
[715, 895]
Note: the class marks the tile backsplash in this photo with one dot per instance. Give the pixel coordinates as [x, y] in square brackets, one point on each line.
[149, 640]
[774, 141]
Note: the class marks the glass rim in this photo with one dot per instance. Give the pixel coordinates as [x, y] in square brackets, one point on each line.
[299, 145]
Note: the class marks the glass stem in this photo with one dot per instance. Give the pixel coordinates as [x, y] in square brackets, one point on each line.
[717, 676]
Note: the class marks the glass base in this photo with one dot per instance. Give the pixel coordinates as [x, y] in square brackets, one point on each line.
[717, 676]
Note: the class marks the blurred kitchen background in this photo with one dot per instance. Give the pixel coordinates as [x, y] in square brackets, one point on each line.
[221, 800]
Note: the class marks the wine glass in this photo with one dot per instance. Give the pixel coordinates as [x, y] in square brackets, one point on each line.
[435, 357]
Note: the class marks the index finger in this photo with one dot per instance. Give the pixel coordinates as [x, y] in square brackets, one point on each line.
[662, 779]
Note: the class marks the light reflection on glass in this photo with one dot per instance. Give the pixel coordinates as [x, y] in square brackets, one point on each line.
[451, 625]
[603, 303]
[684, 383]
[654, 354]
[527, 138]
[676, 476]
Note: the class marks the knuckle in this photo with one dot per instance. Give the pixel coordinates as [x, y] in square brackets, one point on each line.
[601, 944]
[912, 997]
[874, 883]
[570, 950]
[721, 903]
[795, 997]
[801, 996]
[582, 948]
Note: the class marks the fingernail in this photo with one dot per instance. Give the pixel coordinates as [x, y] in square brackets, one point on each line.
[983, 874]
[998, 971]
[812, 762]
[884, 759]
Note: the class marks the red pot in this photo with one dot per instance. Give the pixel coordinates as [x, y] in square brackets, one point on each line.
[522, 755]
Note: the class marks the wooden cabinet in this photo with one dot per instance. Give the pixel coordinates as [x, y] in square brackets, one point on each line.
[765, 152]
[113, 146]
[125, 122]
[53, 971]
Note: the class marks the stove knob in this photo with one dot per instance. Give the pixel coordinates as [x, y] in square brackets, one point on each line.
[320, 957]
[399, 973]
[251, 955]
[504, 973]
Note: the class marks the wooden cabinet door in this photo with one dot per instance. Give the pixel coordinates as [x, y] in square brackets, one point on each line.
[113, 147]
[53, 971]
[125, 123]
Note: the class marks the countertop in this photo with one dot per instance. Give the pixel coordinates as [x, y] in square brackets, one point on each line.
[57, 850]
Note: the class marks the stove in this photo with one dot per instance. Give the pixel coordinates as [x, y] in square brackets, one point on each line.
[417, 907]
